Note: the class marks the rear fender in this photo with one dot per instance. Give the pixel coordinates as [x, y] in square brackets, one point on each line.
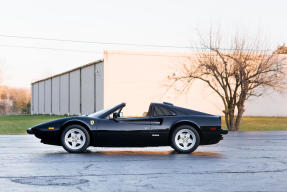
[184, 122]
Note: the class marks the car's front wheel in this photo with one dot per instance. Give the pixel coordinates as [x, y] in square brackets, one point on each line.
[75, 139]
[185, 139]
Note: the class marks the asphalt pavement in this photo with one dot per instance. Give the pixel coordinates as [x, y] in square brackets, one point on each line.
[244, 161]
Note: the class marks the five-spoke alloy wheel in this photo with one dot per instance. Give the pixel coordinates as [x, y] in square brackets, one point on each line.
[75, 139]
[185, 139]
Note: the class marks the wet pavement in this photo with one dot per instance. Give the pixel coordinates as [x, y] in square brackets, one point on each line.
[246, 161]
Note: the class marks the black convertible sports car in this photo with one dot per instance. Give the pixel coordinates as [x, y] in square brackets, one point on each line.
[163, 125]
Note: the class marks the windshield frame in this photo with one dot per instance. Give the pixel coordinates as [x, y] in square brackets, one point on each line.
[105, 112]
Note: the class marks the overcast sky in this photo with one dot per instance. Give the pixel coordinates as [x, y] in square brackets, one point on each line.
[156, 22]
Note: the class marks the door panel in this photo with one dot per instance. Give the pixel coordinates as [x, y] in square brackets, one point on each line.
[125, 132]
[159, 131]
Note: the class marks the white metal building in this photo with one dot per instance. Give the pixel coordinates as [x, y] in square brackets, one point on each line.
[78, 91]
[137, 78]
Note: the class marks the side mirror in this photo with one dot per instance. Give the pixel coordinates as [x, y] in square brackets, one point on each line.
[115, 115]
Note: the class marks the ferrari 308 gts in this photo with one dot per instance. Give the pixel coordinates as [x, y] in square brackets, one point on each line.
[163, 125]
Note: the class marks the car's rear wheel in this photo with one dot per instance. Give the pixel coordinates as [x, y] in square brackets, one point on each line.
[185, 139]
[75, 139]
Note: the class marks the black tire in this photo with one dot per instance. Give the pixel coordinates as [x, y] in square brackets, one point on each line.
[182, 128]
[86, 142]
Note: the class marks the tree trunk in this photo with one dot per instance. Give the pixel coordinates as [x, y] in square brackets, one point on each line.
[229, 119]
[226, 119]
[240, 105]
[240, 109]
[231, 122]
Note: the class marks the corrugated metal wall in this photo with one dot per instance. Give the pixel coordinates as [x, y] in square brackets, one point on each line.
[35, 105]
[56, 95]
[41, 97]
[75, 92]
[80, 91]
[64, 94]
[48, 96]
[87, 89]
[99, 88]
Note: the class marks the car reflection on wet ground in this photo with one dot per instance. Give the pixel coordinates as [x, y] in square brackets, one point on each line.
[245, 161]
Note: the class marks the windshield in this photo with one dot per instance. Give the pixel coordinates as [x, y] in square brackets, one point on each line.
[107, 111]
[99, 113]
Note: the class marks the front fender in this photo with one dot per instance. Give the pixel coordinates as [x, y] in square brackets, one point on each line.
[84, 123]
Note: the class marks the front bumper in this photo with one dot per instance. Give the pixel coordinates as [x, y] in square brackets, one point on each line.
[47, 137]
[30, 131]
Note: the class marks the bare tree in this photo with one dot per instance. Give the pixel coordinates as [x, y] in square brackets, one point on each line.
[234, 74]
[282, 49]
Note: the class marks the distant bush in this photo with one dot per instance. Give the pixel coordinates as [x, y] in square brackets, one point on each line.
[14, 100]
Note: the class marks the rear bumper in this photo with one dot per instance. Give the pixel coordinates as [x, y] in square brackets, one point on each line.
[210, 137]
[223, 132]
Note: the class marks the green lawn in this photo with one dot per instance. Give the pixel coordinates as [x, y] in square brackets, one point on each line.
[261, 123]
[17, 124]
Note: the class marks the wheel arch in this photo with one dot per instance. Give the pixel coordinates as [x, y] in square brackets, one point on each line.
[185, 122]
[81, 123]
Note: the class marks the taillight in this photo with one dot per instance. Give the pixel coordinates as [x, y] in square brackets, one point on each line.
[212, 128]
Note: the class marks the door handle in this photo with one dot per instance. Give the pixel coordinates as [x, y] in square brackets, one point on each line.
[155, 122]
